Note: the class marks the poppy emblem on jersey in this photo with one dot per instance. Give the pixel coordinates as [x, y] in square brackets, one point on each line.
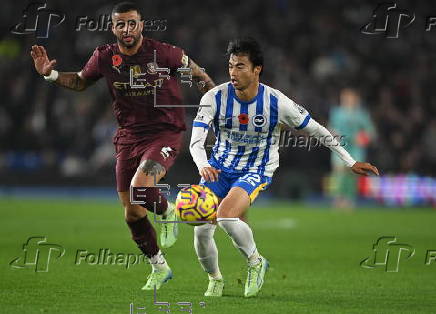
[243, 118]
[259, 120]
[116, 60]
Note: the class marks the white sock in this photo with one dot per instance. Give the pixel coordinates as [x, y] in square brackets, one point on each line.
[254, 259]
[216, 276]
[241, 235]
[158, 262]
[206, 250]
[167, 211]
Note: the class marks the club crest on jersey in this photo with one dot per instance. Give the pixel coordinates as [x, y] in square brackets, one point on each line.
[135, 70]
[259, 120]
[151, 68]
[243, 118]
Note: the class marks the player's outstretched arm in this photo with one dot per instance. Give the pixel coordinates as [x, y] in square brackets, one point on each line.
[318, 131]
[44, 66]
[296, 116]
[201, 78]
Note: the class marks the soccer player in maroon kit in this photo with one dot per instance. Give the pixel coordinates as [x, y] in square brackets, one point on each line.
[150, 134]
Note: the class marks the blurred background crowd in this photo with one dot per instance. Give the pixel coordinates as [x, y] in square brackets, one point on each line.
[313, 52]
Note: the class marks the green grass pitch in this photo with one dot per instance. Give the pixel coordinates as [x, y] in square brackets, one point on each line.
[315, 257]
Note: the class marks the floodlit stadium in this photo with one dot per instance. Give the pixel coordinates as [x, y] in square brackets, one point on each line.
[217, 157]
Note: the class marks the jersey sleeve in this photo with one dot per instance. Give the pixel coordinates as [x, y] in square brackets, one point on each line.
[200, 127]
[91, 70]
[206, 112]
[175, 57]
[292, 114]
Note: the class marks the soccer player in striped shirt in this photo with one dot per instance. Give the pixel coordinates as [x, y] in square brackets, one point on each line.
[246, 117]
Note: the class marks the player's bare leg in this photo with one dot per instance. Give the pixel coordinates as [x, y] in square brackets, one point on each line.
[233, 206]
[143, 233]
[148, 174]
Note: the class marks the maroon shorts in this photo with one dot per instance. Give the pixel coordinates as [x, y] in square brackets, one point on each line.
[162, 148]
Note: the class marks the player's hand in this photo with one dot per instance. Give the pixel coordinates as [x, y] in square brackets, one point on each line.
[210, 173]
[364, 168]
[42, 64]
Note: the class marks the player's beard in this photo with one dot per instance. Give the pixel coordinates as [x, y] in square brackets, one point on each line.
[130, 44]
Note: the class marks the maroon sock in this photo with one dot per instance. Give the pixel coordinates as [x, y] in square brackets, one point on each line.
[151, 196]
[144, 235]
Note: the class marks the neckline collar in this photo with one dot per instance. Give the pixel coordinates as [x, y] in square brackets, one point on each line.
[259, 94]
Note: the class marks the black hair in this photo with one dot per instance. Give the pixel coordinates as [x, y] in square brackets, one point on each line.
[126, 6]
[247, 46]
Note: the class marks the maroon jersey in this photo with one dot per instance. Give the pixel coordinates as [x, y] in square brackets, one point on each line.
[140, 86]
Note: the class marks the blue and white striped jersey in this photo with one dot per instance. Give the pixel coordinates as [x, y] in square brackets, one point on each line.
[247, 132]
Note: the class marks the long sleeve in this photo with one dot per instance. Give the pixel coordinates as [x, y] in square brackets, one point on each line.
[296, 116]
[196, 147]
[316, 130]
[200, 128]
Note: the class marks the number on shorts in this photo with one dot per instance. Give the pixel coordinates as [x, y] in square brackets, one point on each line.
[253, 179]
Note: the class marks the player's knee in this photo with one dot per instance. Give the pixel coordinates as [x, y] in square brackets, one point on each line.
[151, 168]
[148, 173]
[204, 232]
[202, 236]
[225, 212]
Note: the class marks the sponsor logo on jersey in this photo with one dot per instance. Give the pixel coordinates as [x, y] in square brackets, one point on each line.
[259, 120]
[243, 137]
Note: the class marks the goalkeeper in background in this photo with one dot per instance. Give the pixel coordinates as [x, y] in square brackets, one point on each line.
[353, 121]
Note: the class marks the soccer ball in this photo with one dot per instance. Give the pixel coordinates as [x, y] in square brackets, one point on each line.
[196, 203]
